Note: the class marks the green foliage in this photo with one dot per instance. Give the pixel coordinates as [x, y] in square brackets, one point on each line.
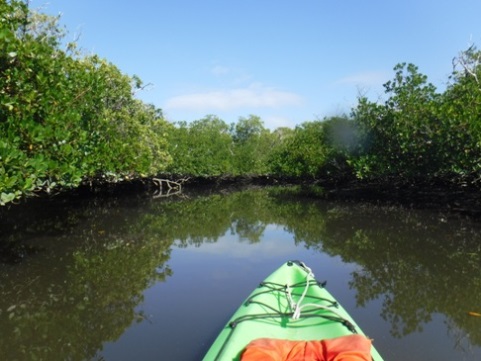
[419, 132]
[209, 147]
[342, 135]
[400, 136]
[201, 148]
[460, 112]
[415, 132]
[304, 153]
[343, 139]
[252, 145]
[66, 117]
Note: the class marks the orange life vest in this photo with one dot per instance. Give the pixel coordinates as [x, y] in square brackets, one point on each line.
[345, 348]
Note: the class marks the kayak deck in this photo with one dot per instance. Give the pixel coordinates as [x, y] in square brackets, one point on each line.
[289, 304]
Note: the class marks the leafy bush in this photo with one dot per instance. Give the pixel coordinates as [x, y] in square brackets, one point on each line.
[304, 153]
[66, 117]
[418, 132]
[401, 135]
[201, 148]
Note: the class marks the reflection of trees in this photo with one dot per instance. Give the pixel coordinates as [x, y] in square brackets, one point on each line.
[250, 231]
[91, 262]
[106, 252]
[206, 219]
[418, 264]
[70, 315]
[83, 289]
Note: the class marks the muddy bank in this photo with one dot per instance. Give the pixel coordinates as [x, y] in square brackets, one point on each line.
[446, 194]
[462, 196]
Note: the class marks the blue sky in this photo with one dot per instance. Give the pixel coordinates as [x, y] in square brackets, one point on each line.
[285, 61]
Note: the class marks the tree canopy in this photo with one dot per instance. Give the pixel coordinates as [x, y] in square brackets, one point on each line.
[68, 118]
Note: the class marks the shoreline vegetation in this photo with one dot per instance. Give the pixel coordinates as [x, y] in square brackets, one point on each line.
[71, 122]
[441, 194]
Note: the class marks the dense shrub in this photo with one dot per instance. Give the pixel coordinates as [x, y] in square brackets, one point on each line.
[66, 117]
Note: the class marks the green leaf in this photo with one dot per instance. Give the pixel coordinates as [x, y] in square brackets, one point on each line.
[6, 198]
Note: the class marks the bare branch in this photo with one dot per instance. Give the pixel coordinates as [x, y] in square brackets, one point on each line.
[469, 61]
[171, 187]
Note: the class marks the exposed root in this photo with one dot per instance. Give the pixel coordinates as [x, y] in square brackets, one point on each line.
[167, 187]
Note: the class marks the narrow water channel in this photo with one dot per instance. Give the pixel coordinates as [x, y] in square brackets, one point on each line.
[123, 278]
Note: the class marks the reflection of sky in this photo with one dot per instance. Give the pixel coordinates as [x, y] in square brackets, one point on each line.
[275, 243]
[236, 256]
[210, 280]
[208, 283]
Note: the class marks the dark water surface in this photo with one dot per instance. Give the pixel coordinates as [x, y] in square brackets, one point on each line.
[155, 279]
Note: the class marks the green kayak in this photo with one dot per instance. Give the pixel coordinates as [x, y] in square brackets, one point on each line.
[288, 305]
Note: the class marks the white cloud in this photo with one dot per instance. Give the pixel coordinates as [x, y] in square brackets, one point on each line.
[274, 122]
[220, 70]
[275, 243]
[254, 96]
[236, 76]
[369, 78]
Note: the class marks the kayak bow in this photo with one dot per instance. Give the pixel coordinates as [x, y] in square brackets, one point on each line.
[290, 304]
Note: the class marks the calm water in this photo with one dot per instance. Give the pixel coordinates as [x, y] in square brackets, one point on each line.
[155, 279]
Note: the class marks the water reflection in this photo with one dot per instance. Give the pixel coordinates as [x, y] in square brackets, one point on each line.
[74, 274]
[418, 263]
[82, 288]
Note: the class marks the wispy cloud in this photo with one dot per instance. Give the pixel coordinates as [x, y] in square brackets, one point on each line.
[368, 78]
[254, 96]
[220, 70]
[274, 121]
[235, 75]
